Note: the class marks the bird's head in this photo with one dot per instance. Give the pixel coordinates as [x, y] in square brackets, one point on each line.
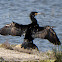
[33, 14]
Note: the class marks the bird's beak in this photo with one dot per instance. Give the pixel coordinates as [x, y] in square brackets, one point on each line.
[40, 13]
[37, 13]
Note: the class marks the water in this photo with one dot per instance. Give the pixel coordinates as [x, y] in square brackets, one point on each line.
[19, 10]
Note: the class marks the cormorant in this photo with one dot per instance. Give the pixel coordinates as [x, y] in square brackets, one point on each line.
[35, 31]
[31, 32]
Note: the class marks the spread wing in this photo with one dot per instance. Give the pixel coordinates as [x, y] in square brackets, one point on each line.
[47, 33]
[13, 29]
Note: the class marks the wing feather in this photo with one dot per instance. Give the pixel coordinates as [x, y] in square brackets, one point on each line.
[13, 29]
[47, 33]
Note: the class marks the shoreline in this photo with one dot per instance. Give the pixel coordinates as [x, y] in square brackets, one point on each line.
[21, 54]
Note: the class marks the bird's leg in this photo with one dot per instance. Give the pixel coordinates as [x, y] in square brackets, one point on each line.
[26, 43]
[29, 44]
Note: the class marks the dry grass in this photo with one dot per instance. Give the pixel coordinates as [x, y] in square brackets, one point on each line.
[49, 56]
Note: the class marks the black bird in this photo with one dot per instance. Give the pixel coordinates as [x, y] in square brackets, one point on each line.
[35, 31]
[31, 32]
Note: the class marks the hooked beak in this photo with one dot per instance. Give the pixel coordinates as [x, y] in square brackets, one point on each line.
[40, 13]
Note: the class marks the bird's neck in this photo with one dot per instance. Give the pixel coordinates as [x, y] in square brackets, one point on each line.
[33, 19]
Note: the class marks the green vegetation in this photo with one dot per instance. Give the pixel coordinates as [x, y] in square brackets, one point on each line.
[58, 54]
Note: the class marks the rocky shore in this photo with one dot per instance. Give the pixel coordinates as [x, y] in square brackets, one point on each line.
[16, 53]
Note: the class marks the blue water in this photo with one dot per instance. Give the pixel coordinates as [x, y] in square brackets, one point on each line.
[19, 10]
